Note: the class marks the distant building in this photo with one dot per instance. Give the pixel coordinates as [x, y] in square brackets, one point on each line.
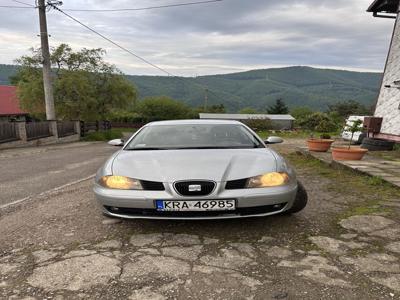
[388, 103]
[9, 104]
[278, 122]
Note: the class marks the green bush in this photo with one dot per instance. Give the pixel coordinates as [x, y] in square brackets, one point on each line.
[107, 135]
[124, 116]
[163, 108]
[259, 124]
[325, 136]
[320, 122]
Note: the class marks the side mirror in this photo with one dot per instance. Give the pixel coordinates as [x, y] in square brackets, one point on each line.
[116, 142]
[273, 140]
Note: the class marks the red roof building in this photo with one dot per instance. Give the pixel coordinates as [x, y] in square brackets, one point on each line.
[9, 102]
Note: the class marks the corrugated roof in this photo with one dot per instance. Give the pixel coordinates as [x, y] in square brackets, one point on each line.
[388, 6]
[245, 116]
[9, 102]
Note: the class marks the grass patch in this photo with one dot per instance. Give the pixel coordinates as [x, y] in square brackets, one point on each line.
[369, 192]
[369, 210]
[106, 135]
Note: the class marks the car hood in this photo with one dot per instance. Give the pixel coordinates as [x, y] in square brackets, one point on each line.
[173, 165]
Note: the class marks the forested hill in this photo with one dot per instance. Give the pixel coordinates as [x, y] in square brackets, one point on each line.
[298, 86]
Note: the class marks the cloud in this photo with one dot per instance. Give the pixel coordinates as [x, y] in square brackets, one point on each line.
[220, 37]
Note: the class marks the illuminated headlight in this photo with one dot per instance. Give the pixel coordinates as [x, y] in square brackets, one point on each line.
[268, 180]
[120, 183]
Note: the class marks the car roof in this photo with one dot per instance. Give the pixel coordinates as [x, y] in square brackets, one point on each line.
[194, 122]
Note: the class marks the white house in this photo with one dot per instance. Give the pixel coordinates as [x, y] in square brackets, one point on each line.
[388, 103]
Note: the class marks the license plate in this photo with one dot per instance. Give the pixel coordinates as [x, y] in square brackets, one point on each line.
[200, 205]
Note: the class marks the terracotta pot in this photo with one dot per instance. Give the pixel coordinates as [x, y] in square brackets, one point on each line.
[344, 153]
[319, 145]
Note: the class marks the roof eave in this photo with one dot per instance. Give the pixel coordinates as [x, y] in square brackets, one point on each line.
[384, 6]
[371, 8]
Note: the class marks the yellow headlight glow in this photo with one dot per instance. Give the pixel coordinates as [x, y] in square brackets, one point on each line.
[268, 180]
[120, 183]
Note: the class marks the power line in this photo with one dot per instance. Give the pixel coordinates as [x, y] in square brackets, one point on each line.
[145, 8]
[12, 6]
[111, 41]
[127, 50]
[21, 2]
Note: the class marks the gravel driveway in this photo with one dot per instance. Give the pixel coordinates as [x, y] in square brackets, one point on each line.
[344, 245]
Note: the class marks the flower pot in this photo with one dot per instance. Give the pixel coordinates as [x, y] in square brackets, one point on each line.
[344, 153]
[319, 145]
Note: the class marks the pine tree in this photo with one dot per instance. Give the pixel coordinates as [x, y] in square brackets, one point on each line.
[279, 108]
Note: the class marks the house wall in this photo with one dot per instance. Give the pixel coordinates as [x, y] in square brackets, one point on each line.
[388, 105]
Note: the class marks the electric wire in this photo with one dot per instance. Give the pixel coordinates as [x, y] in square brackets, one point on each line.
[143, 8]
[111, 41]
[21, 2]
[12, 6]
[127, 50]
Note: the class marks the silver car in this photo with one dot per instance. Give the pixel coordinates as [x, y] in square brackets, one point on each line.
[197, 169]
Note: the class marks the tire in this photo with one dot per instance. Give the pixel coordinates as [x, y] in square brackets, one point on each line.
[301, 200]
[377, 145]
[361, 138]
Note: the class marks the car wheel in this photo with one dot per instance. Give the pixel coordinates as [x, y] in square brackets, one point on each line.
[301, 200]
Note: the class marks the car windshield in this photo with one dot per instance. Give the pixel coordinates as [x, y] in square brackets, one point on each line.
[194, 136]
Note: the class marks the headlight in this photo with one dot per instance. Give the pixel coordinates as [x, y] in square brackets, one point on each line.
[120, 183]
[268, 180]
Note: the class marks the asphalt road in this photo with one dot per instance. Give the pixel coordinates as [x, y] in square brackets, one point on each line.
[27, 172]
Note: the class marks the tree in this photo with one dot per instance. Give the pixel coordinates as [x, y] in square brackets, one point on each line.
[319, 122]
[248, 110]
[301, 112]
[216, 108]
[279, 108]
[85, 87]
[348, 108]
[162, 108]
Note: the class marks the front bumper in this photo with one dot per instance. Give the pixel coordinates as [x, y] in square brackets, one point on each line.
[249, 202]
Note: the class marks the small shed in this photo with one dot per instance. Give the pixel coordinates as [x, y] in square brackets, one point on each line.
[387, 109]
[278, 122]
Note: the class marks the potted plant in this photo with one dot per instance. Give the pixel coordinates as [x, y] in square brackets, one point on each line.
[350, 153]
[320, 145]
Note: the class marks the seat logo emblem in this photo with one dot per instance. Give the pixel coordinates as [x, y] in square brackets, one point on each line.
[194, 188]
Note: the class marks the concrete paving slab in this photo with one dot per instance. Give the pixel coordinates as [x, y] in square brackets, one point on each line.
[387, 170]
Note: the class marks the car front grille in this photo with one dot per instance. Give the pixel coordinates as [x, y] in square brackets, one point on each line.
[236, 184]
[194, 188]
[240, 211]
[152, 185]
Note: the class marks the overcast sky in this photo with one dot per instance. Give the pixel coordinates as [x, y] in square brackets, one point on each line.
[222, 37]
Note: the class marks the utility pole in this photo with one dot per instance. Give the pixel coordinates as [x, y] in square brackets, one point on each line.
[205, 99]
[47, 82]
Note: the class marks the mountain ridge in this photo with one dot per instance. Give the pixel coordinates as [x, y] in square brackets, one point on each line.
[296, 85]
